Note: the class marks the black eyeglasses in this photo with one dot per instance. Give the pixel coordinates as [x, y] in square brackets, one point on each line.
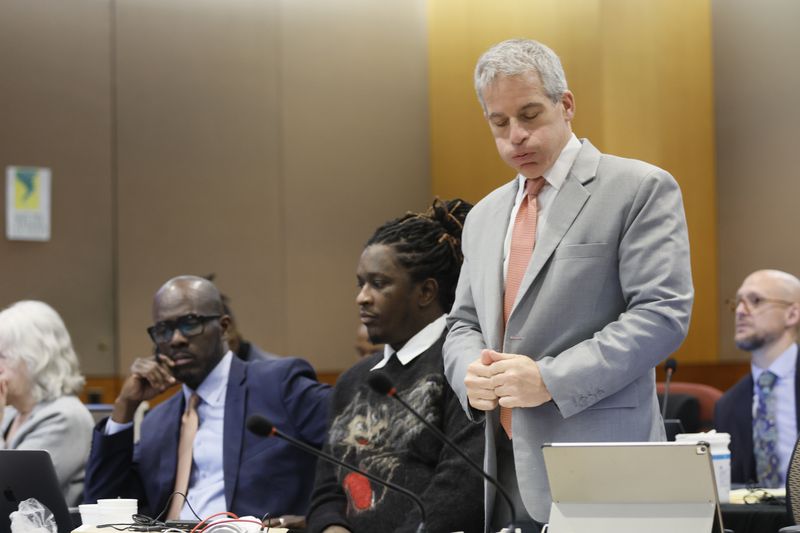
[188, 325]
[752, 303]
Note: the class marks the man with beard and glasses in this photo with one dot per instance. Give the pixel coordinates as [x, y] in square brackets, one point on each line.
[195, 443]
[761, 411]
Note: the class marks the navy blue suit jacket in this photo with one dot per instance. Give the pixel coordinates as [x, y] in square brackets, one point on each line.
[262, 475]
[734, 414]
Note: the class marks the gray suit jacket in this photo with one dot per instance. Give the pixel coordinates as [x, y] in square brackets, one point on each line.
[63, 427]
[607, 295]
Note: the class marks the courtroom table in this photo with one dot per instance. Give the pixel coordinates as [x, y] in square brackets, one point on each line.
[755, 517]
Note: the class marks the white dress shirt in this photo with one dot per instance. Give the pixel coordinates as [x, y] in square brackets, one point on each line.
[785, 403]
[555, 179]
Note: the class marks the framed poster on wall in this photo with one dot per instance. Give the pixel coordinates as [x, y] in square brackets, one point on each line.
[27, 203]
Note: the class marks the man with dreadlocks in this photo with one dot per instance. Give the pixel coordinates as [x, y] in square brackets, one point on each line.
[407, 276]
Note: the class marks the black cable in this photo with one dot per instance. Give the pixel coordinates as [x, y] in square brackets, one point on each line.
[169, 502]
[264, 521]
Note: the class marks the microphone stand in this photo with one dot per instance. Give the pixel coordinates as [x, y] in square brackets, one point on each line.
[253, 425]
[670, 367]
[381, 384]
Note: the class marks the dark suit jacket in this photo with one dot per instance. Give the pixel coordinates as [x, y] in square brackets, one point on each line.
[734, 414]
[262, 475]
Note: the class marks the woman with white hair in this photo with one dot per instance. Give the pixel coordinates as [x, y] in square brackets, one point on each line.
[39, 380]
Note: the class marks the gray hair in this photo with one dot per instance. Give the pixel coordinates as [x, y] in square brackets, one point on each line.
[518, 56]
[33, 332]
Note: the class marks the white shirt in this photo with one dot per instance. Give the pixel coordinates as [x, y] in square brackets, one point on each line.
[785, 404]
[416, 345]
[207, 480]
[554, 177]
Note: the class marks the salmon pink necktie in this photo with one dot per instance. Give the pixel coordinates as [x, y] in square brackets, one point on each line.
[523, 238]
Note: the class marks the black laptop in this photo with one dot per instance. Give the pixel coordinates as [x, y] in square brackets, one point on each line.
[30, 474]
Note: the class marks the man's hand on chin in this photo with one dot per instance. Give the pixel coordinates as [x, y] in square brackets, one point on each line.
[516, 380]
[149, 377]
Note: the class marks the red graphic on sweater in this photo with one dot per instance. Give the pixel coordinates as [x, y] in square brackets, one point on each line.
[360, 491]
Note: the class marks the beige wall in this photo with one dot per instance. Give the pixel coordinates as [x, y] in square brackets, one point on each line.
[758, 126]
[55, 111]
[258, 141]
[199, 159]
[262, 141]
[355, 153]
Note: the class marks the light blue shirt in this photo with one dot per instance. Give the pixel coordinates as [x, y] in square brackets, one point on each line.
[207, 480]
[784, 367]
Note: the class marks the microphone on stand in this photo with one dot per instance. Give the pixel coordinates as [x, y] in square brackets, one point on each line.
[672, 426]
[381, 384]
[669, 368]
[261, 426]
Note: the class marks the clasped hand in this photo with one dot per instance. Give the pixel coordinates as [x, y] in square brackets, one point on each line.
[505, 379]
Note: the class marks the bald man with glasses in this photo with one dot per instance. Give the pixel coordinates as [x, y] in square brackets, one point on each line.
[195, 443]
[761, 411]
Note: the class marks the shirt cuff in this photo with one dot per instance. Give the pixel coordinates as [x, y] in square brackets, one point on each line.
[113, 428]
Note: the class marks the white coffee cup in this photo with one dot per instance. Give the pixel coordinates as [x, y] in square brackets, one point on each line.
[117, 510]
[90, 514]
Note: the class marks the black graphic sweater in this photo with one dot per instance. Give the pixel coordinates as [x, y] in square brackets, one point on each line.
[376, 434]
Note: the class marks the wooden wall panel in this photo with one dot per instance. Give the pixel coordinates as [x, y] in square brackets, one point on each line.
[261, 142]
[55, 107]
[199, 160]
[757, 126]
[720, 374]
[355, 151]
[255, 140]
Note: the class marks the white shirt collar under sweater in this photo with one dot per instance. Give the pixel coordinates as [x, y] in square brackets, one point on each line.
[417, 344]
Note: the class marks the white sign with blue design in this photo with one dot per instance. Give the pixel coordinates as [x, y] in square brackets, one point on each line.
[27, 203]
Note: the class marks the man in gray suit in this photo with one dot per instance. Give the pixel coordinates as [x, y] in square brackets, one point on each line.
[604, 296]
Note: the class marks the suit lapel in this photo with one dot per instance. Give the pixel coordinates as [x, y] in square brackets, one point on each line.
[494, 280]
[797, 389]
[168, 444]
[749, 458]
[233, 428]
[566, 206]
